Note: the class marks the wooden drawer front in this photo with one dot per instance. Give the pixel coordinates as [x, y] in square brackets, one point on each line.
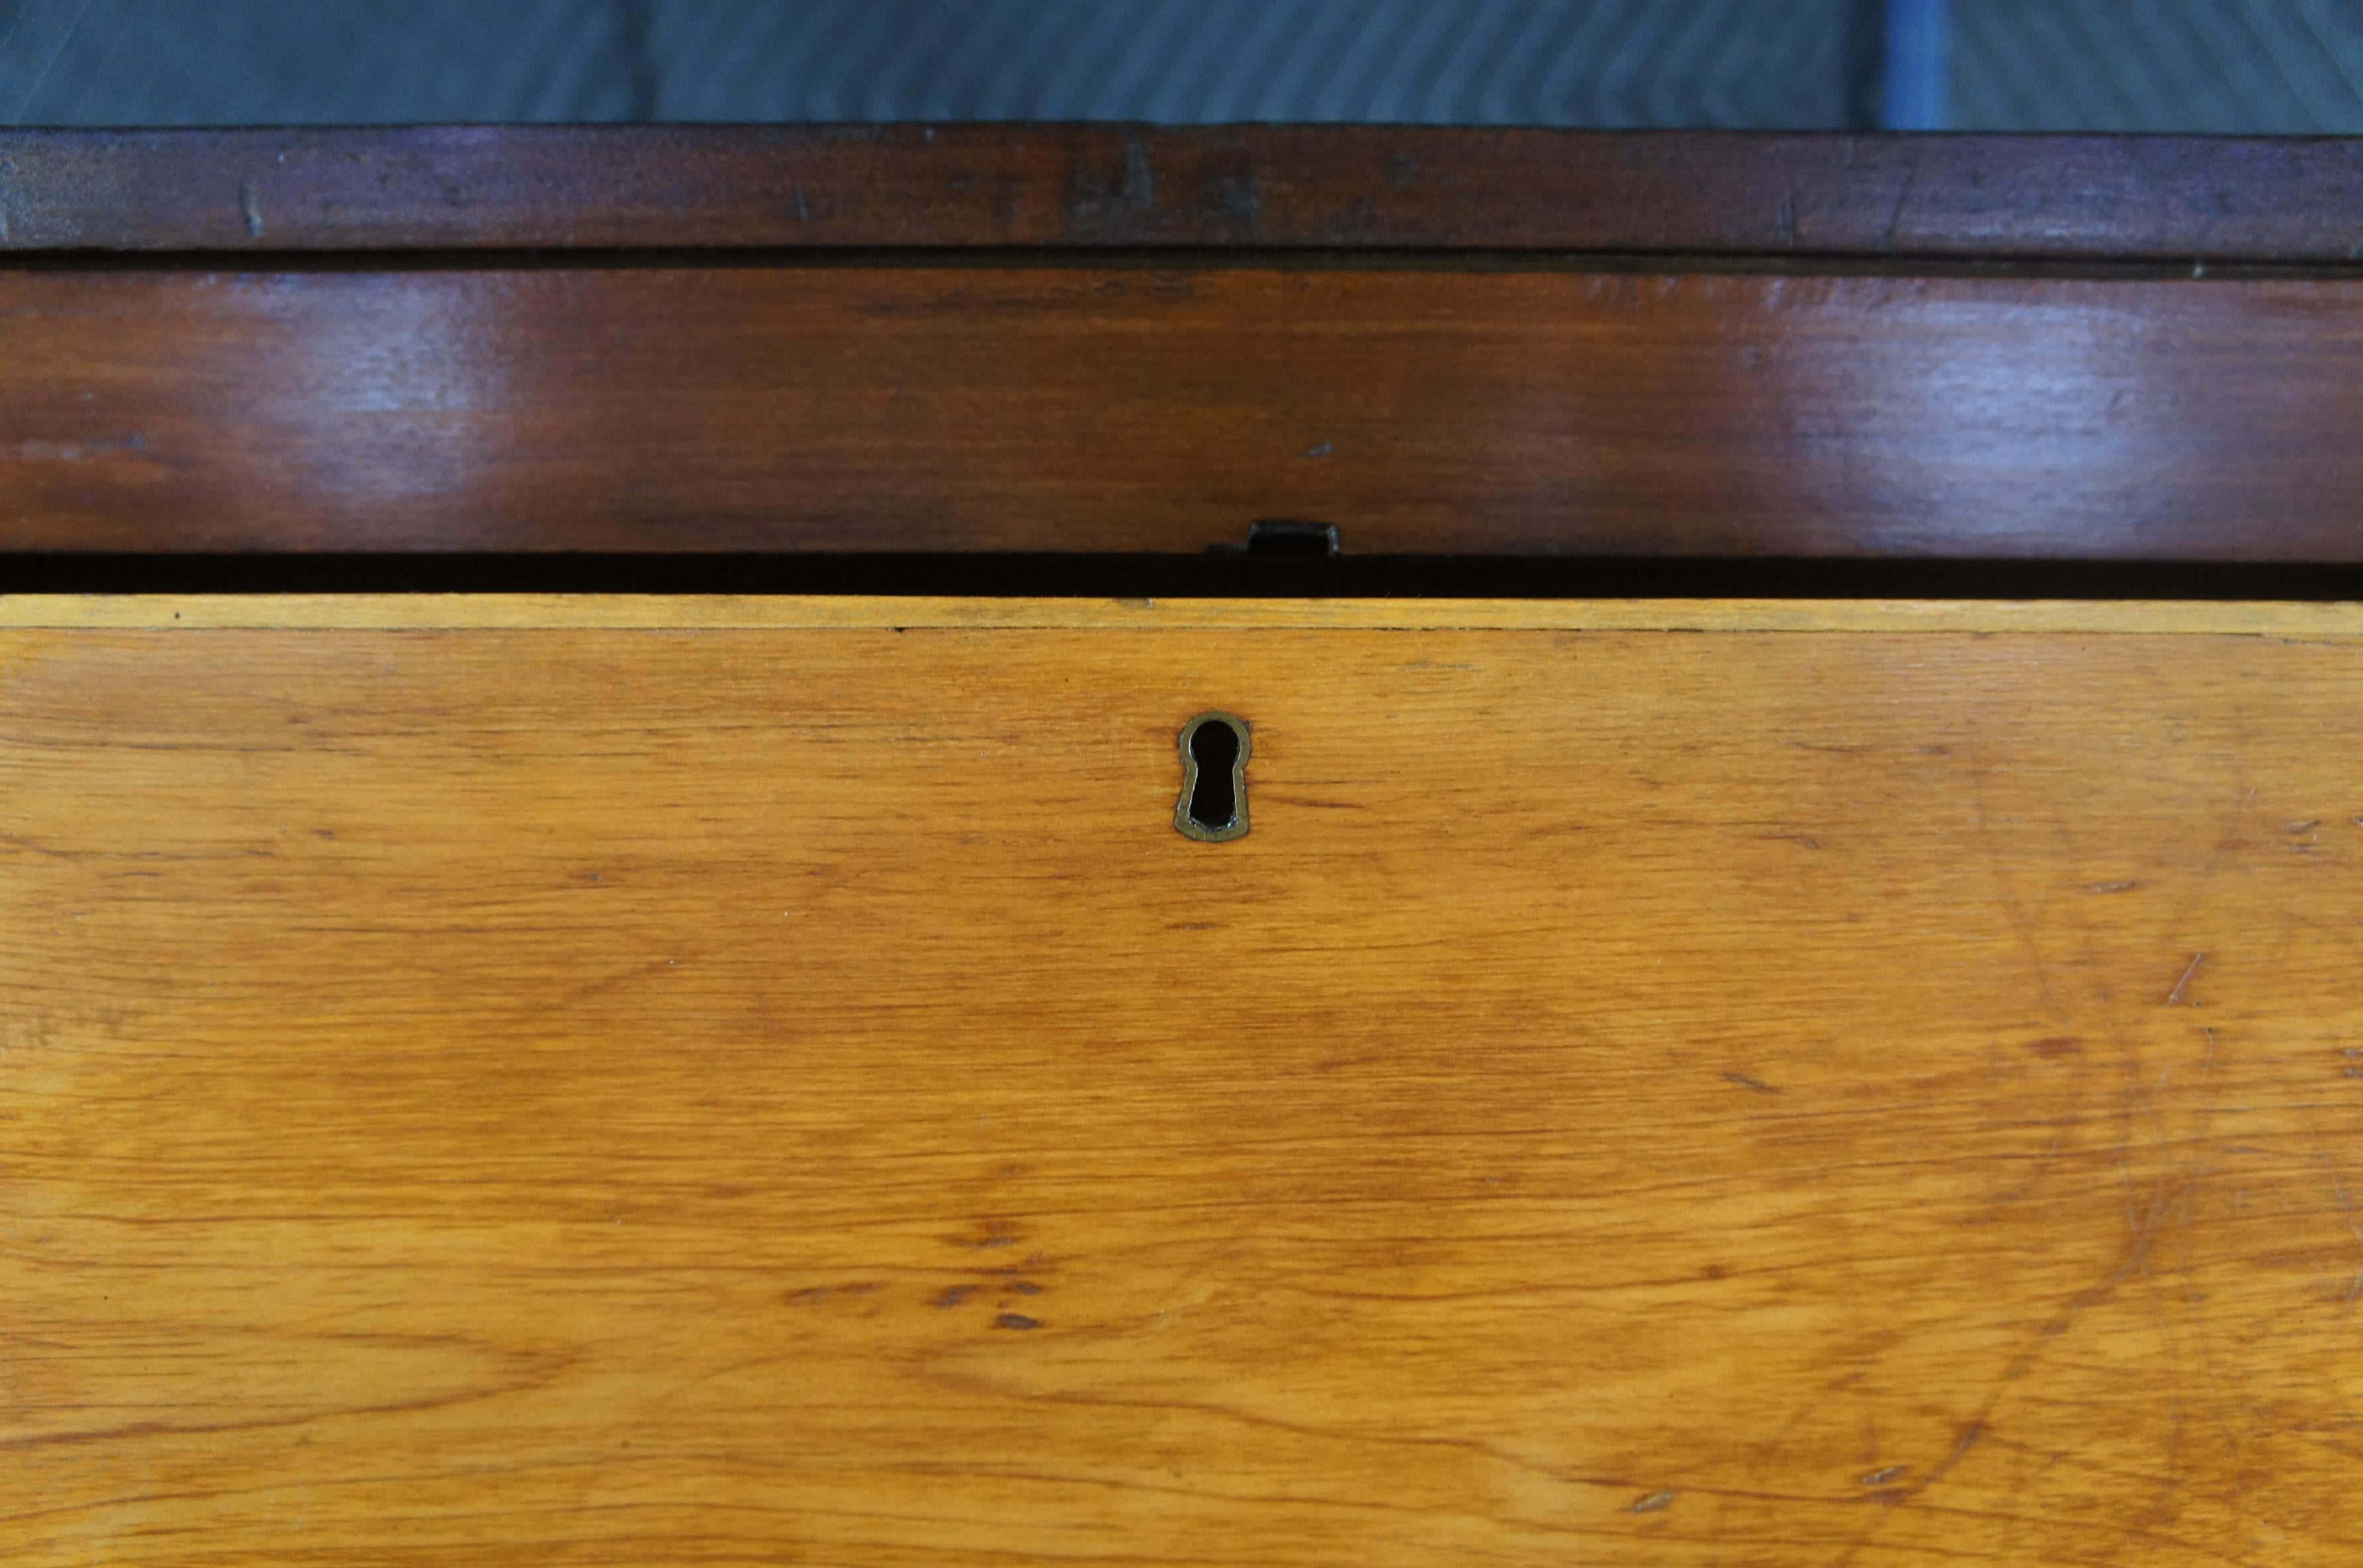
[706, 1082]
[1117, 408]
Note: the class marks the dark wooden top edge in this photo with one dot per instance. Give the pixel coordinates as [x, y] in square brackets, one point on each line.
[2294, 200]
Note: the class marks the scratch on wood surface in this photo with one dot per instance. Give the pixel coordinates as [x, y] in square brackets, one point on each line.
[1743, 1081]
[1971, 1431]
[1902, 199]
[2175, 995]
[249, 208]
[2354, 1226]
[2142, 1228]
[1651, 1504]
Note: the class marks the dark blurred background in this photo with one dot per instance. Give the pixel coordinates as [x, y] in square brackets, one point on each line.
[2231, 66]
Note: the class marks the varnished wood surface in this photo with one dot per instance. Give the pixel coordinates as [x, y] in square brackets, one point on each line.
[1125, 408]
[1361, 187]
[579, 1093]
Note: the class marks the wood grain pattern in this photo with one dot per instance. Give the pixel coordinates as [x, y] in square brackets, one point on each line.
[1133, 409]
[734, 1096]
[1319, 187]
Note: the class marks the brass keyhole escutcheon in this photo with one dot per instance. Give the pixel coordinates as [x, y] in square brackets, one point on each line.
[1213, 804]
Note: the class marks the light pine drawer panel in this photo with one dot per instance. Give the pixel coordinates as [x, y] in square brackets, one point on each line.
[763, 1081]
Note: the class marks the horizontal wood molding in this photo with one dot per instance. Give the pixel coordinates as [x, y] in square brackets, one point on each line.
[693, 613]
[568, 1094]
[791, 187]
[1146, 408]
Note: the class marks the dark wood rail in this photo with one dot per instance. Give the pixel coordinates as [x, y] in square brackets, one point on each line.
[914, 408]
[1286, 187]
[1080, 339]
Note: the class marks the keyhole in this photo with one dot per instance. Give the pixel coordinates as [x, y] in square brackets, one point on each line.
[1213, 805]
